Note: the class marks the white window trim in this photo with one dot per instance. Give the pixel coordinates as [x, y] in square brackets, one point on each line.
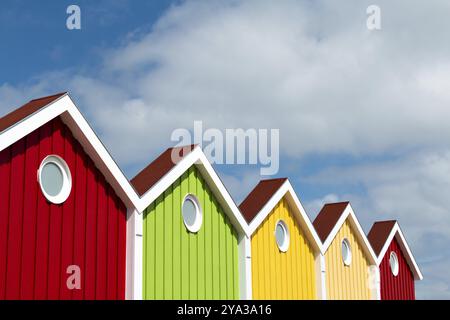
[285, 246]
[395, 270]
[347, 260]
[199, 214]
[67, 179]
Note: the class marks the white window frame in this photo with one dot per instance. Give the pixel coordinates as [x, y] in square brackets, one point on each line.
[67, 179]
[284, 246]
[395, 270]
[347, 260]
[198, 216]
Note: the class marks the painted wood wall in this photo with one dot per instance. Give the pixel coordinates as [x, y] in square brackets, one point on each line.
[282, 275]
[347, 282]
[182, 265]
[400, 287]
[39, 240]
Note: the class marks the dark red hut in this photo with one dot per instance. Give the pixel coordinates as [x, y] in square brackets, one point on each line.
[63, 207]
[398, 268]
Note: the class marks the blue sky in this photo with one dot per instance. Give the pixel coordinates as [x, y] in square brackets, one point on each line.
[361, 113]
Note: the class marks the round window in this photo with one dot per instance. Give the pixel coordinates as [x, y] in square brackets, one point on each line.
[55, 179]
[346, 252]
[192, 213]
[393, 261]
[282, 236]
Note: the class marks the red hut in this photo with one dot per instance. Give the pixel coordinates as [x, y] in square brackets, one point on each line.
[63, 207]
[398, 268]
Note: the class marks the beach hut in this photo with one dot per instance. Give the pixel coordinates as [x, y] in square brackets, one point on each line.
[398, 268]
[285, 249]
[350, 263]
[193, 233]
[63, 206]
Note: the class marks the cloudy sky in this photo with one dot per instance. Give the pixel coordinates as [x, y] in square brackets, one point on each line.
[363, 115]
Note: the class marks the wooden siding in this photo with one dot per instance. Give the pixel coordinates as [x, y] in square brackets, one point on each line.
[182, 265]
[282, 275]
[400, 287]
[39, 240]
[347, 282]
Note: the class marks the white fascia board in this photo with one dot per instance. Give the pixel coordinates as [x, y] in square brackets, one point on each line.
[198, 158]
[81, 130]
[349, 213]
[134, 261]
[245, 268]
[398, 234]
[300, 214]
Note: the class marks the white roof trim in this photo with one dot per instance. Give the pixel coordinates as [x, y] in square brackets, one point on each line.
[71, 116]
[198, 158]
[397, 232]
[300, 213]
[349, 213]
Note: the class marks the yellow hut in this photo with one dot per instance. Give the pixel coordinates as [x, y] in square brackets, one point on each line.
[350, 263]
[284, 254]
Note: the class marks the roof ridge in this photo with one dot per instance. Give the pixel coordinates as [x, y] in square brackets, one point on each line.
[50, 96]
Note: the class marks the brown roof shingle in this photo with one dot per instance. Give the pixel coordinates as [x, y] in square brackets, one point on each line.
[379, 233]
[259, 196]
[26, 110]
[328, 217]
[157, 169]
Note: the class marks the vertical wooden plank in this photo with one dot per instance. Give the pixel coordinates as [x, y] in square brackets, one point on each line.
[176, 232]
[112, 245]
[122, 250]
[159, 248]
[200, 192]
[184, 244]
[229, 260]
[150, 251]
[222, 255]
[15, 221]
[80, 210]
[167, 243]
[236, 266]
[102, 238]
[216, 250]
[91, 233]
[29, 216]
[208, 213]
[5, 169]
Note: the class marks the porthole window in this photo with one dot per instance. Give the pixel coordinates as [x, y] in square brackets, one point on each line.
[393, 261]
[346, 252]
[55, 179]
[192, 213]
[282, 236]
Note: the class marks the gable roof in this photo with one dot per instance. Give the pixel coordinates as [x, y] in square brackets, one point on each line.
[151, 185]
[259, 196]
[34, 114]
[26, 110]
[381, 235]
[151, 174]
[265, 196]
[330, 220]
[328, 217]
